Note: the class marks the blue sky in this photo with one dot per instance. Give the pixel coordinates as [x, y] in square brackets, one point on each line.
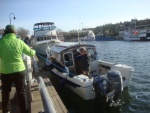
[72, 14]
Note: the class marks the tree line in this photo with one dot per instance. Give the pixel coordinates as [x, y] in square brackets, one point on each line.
[110, 29]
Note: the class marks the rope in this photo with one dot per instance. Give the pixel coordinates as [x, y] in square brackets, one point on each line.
[38, 53]
[58, 66]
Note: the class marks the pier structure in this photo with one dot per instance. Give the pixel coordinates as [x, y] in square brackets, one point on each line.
[41, 94]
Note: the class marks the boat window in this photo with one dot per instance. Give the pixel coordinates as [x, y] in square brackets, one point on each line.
[54, 37]
[51, 53]
[40, 38]
[92, 53]
[68, 59]
[42, 27]
[53, 27]
[36, 29]
[45, 38]
[46, 28]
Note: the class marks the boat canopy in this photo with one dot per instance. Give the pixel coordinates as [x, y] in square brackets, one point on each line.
[44, 23]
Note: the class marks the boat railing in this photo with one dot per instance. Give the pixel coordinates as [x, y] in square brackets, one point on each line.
[44, 28]
[46, 99]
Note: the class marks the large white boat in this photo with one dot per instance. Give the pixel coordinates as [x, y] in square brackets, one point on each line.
[132, 32]
[90, 36]
[44, 37]
[136, 35]
[118, 75]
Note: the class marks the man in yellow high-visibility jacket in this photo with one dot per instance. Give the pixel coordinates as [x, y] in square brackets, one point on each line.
[13, 68]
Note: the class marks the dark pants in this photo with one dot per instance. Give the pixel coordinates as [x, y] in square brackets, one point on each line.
[18, 79]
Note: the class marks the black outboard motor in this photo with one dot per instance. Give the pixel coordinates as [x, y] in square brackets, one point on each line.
[99, 86]
[111, 89]
[115, 83]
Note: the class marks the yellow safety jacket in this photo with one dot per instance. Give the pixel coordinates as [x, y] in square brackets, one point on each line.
[11, 50]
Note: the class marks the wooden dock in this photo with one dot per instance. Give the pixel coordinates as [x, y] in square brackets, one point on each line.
[36, 104]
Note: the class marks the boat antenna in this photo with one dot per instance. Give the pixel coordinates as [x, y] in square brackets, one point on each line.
[78, 37]
[79, 28]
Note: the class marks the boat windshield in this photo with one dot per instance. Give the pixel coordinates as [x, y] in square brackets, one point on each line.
[92, 52]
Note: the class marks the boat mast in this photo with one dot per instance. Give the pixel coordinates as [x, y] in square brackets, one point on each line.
[78, 37]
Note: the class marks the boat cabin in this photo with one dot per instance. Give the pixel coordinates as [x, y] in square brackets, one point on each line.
[68, 54]
[44, 26]
[44, 32]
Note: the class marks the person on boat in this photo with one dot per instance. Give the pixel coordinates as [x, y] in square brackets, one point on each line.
[54, 64]
[85, 61]
[27, 40]
[13, 68]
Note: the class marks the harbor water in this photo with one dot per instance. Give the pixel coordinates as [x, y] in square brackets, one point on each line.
[134, 99]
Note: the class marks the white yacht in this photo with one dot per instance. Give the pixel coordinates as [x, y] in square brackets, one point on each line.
[132, 32]
[44, 37]
[102, 73]
[90, 36]
[136, 35]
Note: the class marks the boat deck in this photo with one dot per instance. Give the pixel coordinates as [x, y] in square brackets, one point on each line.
[36, 105]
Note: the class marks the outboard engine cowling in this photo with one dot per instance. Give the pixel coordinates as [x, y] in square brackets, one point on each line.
[110, 87]
[98, 86]
[115, 83]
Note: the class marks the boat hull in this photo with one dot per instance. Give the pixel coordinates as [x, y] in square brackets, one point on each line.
[83, 85]
[43, 47]
[104, 38]
[136, 37]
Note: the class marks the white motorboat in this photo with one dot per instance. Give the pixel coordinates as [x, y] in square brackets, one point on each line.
[90, 36]
[136, 35]
[82, 85]
[44, 37]
[132, 32]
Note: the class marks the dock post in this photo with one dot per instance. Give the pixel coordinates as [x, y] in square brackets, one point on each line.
[29, 70]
